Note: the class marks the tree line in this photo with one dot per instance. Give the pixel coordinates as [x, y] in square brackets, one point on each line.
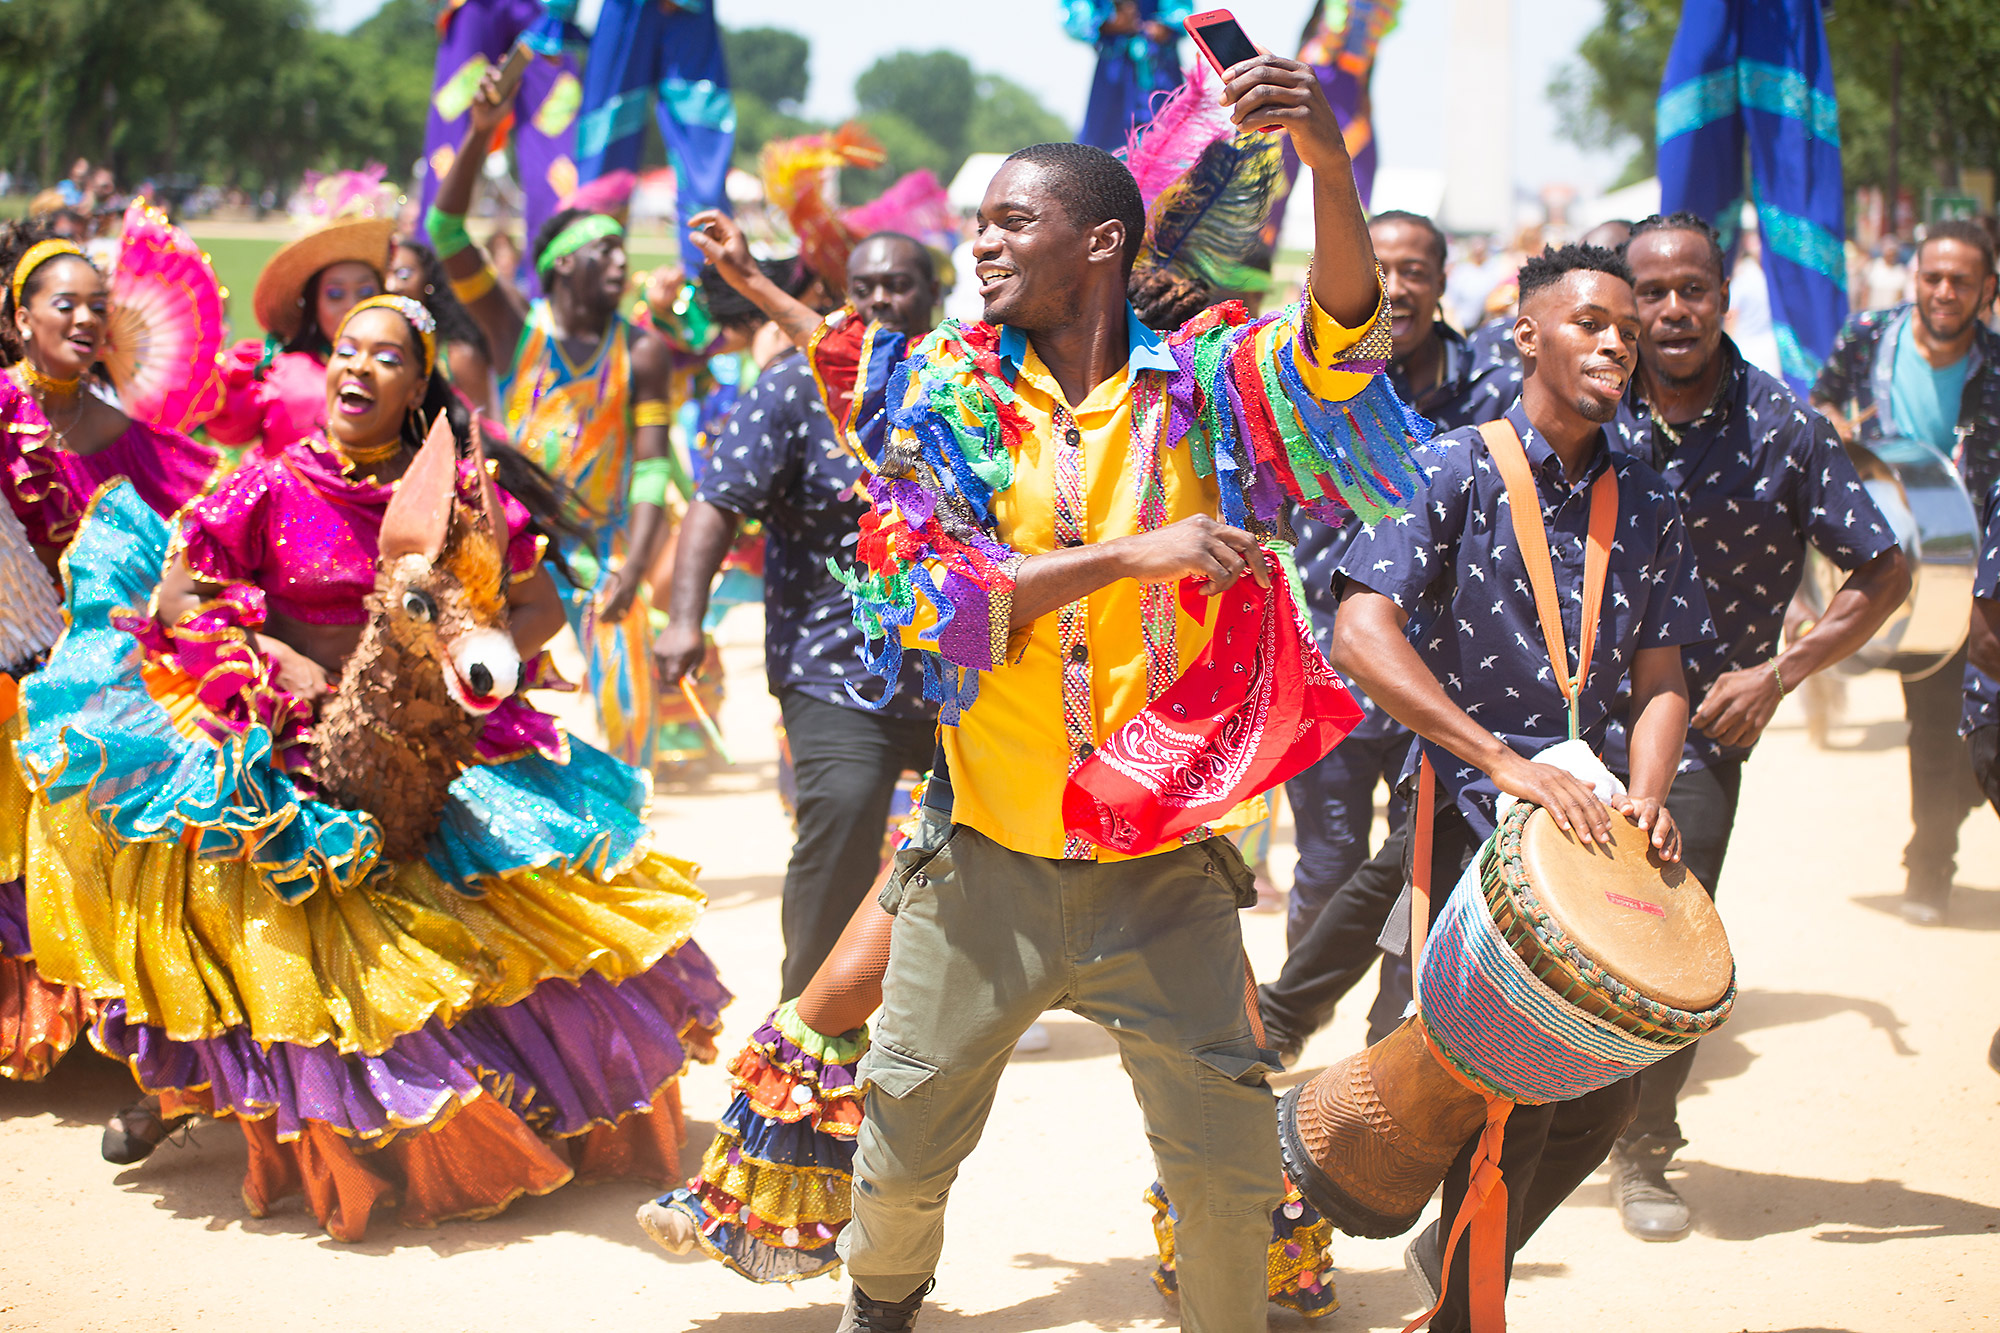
[252, 93]
[1918, 83]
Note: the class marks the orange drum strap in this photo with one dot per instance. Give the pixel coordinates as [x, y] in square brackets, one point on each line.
[1525, 506]
[1481, 1219]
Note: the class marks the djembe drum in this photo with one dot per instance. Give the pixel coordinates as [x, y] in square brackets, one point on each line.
[1556, 968]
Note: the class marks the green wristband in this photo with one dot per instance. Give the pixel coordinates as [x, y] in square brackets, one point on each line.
[447, 232]
[649, 482]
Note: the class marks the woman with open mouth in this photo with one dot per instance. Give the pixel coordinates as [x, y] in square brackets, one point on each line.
[59, 444]
[368, 900]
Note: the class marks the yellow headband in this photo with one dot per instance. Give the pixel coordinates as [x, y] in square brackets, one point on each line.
[415, 312]
[40, 253]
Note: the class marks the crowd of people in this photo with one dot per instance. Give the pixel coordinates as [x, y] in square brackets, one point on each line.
[286, 834]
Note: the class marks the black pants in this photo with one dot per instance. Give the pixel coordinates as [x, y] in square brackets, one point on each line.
[1942, 789]
[847, 760]
[1338, 948]
[1703, 804]
[1548, 1150]
[1333, 813]
[1984, 747]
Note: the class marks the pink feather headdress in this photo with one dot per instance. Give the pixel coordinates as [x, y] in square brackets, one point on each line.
[1187, 121]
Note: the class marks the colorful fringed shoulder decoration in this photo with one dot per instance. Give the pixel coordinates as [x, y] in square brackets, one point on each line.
[1267, 439]
[938, 433]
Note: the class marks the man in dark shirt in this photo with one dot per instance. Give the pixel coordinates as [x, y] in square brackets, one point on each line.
[781, 462]
[1758, 478]
[1333, 802]
[1929, 370]
[1477, 684]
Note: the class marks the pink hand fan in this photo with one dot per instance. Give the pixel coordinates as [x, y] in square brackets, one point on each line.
[166, 324]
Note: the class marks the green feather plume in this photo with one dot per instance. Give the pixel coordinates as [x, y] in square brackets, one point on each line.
[1206, 224]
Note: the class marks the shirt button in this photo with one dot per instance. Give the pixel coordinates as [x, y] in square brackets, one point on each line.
[1085, 750]
[1079, 653]
[1075, 438]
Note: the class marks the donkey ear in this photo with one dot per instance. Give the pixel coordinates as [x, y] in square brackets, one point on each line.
[418, 518]
[494, 518]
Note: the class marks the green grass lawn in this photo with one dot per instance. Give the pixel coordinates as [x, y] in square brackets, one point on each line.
[238, 260]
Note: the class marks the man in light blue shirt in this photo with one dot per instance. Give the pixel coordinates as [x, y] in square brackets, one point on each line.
[1929, 371]
[1923, 396]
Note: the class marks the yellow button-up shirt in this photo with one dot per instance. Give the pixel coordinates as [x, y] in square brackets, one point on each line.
[1010, 754]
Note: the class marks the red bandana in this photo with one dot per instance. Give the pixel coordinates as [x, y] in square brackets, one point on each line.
[1259, 705]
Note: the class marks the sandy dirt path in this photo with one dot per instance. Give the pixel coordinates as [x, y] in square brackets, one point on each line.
[1845, 1163]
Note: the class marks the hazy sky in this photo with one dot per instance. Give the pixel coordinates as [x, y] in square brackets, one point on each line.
[1411, 108]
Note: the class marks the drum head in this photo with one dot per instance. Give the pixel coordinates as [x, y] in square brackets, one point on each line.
[1646, 922]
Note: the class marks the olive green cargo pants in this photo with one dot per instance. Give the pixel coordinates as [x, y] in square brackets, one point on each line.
[985, 940]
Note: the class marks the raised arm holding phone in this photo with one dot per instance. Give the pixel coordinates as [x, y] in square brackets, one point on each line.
[1055, 587]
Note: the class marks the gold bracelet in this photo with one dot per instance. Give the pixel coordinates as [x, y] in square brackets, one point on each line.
[652, 414]
[468, 290]
[1780, 679]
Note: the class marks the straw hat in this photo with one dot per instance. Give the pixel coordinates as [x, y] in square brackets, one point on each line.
[352, 216]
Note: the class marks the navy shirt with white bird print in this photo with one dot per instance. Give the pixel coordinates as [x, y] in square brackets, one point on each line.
[1759, 476]
[779, 461]
[1982, 692]
[1452, 563]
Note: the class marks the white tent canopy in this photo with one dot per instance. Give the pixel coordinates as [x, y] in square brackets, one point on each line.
[968, 187]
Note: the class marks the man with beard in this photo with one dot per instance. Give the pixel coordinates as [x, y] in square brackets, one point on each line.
[1930, 371]
[1758, 478]
[1481, 685]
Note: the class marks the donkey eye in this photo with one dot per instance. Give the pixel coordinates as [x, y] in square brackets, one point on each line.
[419, 606]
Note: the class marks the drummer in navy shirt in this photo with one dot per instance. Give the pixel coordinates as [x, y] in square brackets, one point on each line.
[1759, 477]
[1477, 684]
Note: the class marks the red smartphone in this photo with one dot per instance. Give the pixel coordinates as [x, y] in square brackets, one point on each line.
[1221, 38]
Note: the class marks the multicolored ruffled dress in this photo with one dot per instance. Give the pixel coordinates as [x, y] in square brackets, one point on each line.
[47, 489]
[508, 1012]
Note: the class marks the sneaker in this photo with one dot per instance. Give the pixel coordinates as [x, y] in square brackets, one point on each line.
[1924, 896]
[1920, 913]
[1647, 1204]
[1034, 1041]
[670, 1228]
[1425, 1264]
[871, 1316]
[132, 1134]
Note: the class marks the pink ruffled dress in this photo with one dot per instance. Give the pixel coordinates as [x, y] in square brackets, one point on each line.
[49, 487]
[292, 532]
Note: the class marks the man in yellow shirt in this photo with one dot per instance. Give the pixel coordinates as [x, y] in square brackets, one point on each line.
[1041, 482]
